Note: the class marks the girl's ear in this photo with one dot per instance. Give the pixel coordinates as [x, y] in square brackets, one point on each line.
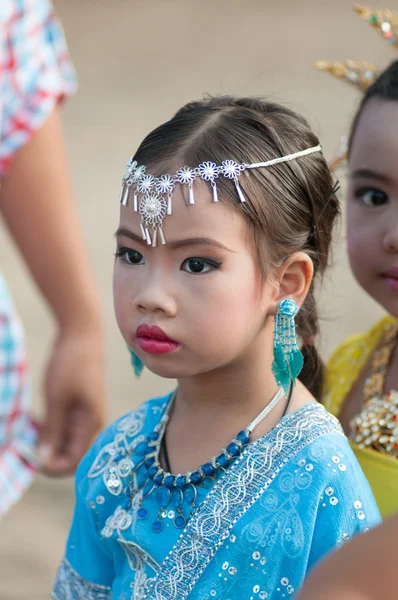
[294, 277]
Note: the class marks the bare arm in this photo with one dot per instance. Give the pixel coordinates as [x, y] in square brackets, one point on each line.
[36, 202]
[364, 569]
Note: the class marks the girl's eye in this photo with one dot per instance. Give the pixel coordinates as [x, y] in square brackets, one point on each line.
[197, 266]
[371, 197]
[131, 257]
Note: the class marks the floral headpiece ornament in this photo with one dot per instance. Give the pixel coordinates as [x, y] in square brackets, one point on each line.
[153, 195]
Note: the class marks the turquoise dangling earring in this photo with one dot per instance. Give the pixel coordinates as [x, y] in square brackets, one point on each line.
[137, 363]
[288, 360]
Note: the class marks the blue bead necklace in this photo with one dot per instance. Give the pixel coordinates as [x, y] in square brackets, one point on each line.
[179, 492]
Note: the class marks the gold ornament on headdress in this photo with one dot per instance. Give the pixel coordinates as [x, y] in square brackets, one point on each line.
[384, 21]
[360, 73]
[339, 159]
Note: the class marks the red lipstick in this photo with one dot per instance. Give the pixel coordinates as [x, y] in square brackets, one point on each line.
[391, 277]
[153, 340]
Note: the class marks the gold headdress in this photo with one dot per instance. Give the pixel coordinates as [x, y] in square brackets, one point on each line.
[360, 73]
[384, 21]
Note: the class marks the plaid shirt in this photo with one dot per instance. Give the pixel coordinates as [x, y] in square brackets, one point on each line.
[35, 73]
[17, 430]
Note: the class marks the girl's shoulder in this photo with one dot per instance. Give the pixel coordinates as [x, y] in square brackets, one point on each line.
[321, 440]
[347, 362]
[310, 451]
[329, 464]
[113, 447]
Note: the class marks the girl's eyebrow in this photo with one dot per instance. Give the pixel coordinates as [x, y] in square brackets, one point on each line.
[195, 241]
[130, 234]
[370, 174]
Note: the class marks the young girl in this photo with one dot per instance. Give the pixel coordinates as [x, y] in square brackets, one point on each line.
[237, 483]
[362, 379]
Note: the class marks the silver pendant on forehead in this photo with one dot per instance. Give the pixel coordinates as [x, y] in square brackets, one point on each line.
[231, 170]
[208, 171]
[186, 176]
[165, 186]
[133, 174]
[153, 211]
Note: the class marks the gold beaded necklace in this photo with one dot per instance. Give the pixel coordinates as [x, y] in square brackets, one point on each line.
[376, 426]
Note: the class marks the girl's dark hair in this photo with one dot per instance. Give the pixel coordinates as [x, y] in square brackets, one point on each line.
[290, 206]
[385, 87]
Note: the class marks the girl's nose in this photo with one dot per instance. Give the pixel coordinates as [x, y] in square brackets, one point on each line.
[156, 296]
[390, 240]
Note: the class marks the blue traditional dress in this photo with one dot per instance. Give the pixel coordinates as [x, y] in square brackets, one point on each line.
[292, 496]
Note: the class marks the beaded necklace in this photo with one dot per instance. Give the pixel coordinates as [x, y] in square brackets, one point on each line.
[180, 491]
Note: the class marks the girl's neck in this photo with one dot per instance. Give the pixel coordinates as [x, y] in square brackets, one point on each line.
[241, 388]
[206, 416]
[210, 409]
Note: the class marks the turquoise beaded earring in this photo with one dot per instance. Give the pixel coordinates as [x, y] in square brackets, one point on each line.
[137, 363]
[288, 360]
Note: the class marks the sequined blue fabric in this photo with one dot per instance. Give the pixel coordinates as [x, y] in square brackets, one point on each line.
[292, 496]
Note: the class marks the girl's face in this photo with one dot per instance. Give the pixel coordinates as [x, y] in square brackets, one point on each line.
[373, 203]
[203, 289]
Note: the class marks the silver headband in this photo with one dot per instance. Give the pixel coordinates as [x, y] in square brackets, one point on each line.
[153, 195]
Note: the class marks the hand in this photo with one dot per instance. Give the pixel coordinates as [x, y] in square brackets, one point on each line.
[74, 396]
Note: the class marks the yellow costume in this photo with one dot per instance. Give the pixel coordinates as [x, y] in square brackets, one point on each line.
[374, 431]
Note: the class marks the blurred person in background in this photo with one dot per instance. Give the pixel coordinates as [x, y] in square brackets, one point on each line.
[364, 569]
[36, 203]
[362, 375]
